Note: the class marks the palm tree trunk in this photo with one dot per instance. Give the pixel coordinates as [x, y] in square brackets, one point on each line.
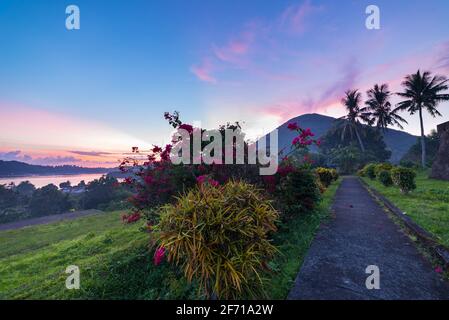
[423, 141]
[360, 140]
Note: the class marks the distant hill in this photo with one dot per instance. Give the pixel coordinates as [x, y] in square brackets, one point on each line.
[16, 168]
[398, 142]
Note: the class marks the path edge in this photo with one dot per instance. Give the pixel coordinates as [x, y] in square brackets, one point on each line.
[441, 252]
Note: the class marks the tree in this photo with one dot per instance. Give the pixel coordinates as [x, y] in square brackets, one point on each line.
[355, 114]
[8, 197]
[102, 191]
[413, 155]
[25, 188]
[423, 91]
[346, 155]
[379, 108]
[49, 200]
[65, 185]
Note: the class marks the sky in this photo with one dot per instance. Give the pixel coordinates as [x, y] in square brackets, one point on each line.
[87, 96]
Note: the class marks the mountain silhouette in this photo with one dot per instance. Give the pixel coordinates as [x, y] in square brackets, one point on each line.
[16, 168]
[399, 142]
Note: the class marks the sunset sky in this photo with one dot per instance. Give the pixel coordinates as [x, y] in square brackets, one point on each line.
[86, 96]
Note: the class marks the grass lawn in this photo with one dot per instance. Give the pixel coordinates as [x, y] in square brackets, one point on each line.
[427, 205]
[116, 262]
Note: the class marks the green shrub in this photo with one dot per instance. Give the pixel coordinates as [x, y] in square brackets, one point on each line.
[384, 177]
[370, 171]
[361, 172]
[220, 236]
[335, 174]
[325, 175]
[298, 193]
[404, 178]
[381, 167]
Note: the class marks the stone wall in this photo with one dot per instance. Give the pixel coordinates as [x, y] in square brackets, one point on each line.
[440, 168]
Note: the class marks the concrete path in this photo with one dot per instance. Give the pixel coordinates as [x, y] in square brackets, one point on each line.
[362, 234]
[47, 219]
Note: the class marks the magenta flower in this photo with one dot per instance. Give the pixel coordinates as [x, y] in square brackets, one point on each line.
[293, 126]
[159, 256]
[439, 269]
[213, 183]
[201, 179]
[295, 141]
[186, 127]
[156, 149]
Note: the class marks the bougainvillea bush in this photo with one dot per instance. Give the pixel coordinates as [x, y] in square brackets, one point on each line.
[216, 221]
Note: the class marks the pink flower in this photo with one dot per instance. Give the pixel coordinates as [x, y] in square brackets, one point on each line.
[159, 256]
[148, 179]
[285, 170]
[201, 179]
[213, 183]
[186, 127]
[439, 269]
[295, 141]
[156, 149]
[293, 126]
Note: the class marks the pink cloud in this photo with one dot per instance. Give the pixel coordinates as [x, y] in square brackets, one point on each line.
[326, 97]
[204, 71]
[294, 17]
[256, 45]
[237, 47]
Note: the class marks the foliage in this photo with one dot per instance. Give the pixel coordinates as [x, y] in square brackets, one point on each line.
[370, 171]
[351, 122]
[101, 192]
[335, 174]
[379, 108]
[423, 92]
[347, 159]
[384, 177]
[297, 193]
[220, 236]
[8, 198]
[25, 189]
[381, 167]
[413, 155]
[346, 155]
[158, 181]
[118, 263]
[404, 178]
[49, 200]
[325, 175]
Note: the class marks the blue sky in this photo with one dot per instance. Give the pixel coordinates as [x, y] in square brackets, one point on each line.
[104, 87]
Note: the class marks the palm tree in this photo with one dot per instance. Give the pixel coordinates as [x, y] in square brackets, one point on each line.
[379, 108]
[423, 91]
[352, 119]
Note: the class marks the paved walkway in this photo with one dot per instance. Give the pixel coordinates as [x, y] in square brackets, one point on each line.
[47, 219]
[362, 234]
